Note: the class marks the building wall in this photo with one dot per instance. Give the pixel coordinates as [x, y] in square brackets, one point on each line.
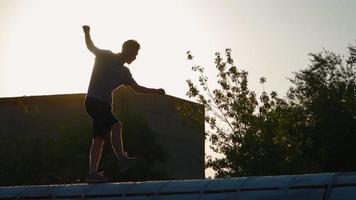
[182, 138]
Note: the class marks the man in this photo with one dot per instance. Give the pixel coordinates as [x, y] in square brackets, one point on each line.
[108, 74]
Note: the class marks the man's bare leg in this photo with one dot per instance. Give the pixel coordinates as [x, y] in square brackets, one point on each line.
[116, 140]
[125, 162]
[95, 153]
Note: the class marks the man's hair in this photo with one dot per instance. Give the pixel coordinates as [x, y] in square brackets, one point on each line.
[130, 44]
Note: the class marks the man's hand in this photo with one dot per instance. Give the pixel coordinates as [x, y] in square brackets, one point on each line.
[86, 28]
[161, 91]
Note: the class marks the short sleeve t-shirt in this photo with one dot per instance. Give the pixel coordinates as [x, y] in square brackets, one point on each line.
[108, 74]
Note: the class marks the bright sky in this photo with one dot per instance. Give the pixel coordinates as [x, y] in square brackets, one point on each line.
[43, 51]
[42, 47]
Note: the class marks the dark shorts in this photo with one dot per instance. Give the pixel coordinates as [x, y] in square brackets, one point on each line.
[100, 112]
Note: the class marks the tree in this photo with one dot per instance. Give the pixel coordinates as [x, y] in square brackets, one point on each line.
[255, 137]
[326, 93]
[312, 130]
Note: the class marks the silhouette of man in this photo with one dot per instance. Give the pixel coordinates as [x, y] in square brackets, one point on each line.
[108, 74]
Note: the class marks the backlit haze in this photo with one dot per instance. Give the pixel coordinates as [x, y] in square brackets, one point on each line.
[43, 51]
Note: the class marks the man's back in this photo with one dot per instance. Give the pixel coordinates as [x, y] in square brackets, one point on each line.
[108, 74]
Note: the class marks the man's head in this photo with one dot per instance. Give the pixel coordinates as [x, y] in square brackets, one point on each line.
[130, 50]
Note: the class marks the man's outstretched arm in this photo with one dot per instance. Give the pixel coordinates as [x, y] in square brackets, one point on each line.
[88, 41]
[144, 90]
[140, 89]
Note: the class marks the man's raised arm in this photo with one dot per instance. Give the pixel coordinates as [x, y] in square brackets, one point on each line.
[88, 41]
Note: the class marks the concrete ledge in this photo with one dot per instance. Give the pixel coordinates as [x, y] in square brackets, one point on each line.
[326, 186]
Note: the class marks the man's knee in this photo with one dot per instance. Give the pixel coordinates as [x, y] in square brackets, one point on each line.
[98, 139]
[117, 125]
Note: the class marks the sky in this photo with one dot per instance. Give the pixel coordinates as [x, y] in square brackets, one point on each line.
[43, 52]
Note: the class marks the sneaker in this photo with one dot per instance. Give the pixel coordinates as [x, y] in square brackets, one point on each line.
[97, 177]
[125, 162]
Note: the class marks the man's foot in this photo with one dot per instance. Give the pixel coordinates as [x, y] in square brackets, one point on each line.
[126, 162]
[97, 177]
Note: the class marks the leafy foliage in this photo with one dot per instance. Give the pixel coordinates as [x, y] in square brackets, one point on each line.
[326, 92]
[271, 135]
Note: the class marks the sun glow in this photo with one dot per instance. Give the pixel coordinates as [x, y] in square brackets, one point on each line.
[45, 51]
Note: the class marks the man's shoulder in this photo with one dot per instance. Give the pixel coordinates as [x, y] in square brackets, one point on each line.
[105, 53]
[125, 69]
[108, 52]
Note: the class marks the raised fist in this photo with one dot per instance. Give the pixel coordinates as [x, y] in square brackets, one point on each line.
[86, 28]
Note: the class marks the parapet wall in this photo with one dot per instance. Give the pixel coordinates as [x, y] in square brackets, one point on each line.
[182, 137]
[47, 115]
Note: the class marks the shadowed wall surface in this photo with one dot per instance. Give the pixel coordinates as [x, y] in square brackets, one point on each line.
[25, 121]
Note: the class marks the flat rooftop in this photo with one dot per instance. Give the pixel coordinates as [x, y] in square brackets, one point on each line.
[325, 186]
